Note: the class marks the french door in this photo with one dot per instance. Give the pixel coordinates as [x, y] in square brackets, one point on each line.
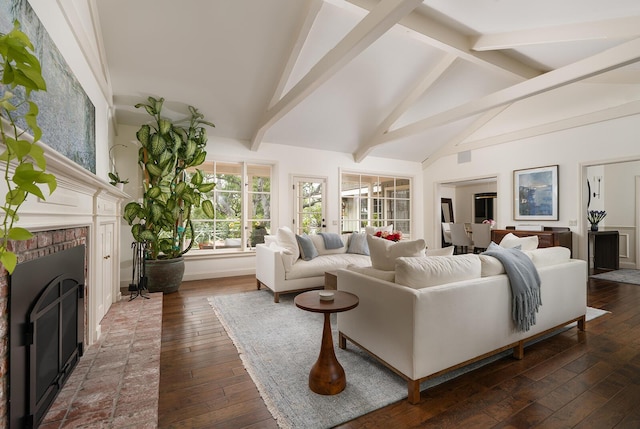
[309, 196]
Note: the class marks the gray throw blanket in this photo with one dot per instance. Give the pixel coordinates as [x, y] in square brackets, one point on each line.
[525, 284]
[331, 240]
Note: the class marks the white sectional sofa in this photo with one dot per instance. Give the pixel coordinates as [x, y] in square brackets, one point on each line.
[456, 311]
[280, 267]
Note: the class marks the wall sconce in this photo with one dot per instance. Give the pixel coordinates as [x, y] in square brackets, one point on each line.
[599, 179]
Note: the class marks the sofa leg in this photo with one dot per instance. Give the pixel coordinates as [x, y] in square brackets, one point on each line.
[518, 351]
[276, 297]
[258, 284]
[413, 394]
[342, 341]
[581, 323]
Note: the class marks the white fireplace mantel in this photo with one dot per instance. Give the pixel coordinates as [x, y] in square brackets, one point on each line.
[83, 199]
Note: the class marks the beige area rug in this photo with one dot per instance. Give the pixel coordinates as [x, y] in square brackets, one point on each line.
[278, 344]
[116, 381]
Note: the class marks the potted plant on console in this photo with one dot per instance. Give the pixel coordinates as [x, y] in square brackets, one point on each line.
[163, 217]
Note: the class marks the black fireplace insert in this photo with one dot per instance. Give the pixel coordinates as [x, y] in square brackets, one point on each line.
[46, 320]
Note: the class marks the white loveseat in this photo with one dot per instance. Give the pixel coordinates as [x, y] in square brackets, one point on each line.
[280, 268]
[422, 332]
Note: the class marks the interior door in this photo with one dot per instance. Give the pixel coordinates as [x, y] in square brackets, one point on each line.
[105, 296]
[309, 196]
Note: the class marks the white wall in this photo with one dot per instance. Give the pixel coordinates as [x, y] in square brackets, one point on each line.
[618, 189]
[570, 149]
[618, 199]
[288, 161]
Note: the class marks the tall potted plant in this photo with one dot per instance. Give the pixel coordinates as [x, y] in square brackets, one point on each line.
[23, 161]
[161, 220]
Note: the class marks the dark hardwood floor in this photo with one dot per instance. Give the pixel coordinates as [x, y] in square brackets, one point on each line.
[572, 380]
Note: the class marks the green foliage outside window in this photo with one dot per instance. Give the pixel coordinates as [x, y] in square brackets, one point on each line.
[228, 228]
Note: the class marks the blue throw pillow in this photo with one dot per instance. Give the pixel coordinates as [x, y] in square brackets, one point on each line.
[307, 249]
[358, 244]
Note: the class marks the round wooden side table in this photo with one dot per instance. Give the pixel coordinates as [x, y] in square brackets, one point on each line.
[327, 376]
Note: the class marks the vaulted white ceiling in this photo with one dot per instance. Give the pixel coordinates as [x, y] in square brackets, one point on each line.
[404, 79]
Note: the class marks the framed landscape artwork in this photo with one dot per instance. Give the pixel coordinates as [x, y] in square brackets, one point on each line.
[536, 193]
[67, 115]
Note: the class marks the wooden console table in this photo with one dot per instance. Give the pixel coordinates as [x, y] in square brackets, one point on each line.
[606, 250]
[550, 237]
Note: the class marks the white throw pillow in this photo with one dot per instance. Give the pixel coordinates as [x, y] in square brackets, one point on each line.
[526, 243]
[383, 252]
[445, 251]
[371, 230]
[389, 276]
[436, 270]
[268, 239]
[276, 247]
[287, 239]
[490, 266]
[550, 256]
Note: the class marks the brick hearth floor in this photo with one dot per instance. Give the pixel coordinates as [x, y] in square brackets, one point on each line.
[115, 384]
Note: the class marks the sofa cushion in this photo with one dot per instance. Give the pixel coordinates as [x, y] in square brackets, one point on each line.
[287, 239]
[318, 241]
[358, 244]
[384, 252]
[323, 263]
[527, 243]
[429, 271]
[445, 251]
[389, 276]
[307, 249]
[371, 230]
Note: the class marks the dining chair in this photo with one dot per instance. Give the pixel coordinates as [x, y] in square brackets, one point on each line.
[481, 233]
[459, 238]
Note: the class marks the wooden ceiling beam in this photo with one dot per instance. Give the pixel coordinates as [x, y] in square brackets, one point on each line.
[448, 40]
[313, 8]
[419, 88]
[384, 16]
[611, 29]
[610, 59]
[623, 110]
[453, 146]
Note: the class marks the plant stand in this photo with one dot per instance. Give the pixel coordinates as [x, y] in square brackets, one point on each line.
[138, 278]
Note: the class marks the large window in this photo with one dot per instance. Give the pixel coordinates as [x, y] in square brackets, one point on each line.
[375, 200]
[242, 203]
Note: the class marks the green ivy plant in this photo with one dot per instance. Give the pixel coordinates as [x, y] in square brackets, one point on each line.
[167, 150]
[22, 159]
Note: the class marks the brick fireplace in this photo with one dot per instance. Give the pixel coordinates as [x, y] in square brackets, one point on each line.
[41, 244]
[84, 210]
